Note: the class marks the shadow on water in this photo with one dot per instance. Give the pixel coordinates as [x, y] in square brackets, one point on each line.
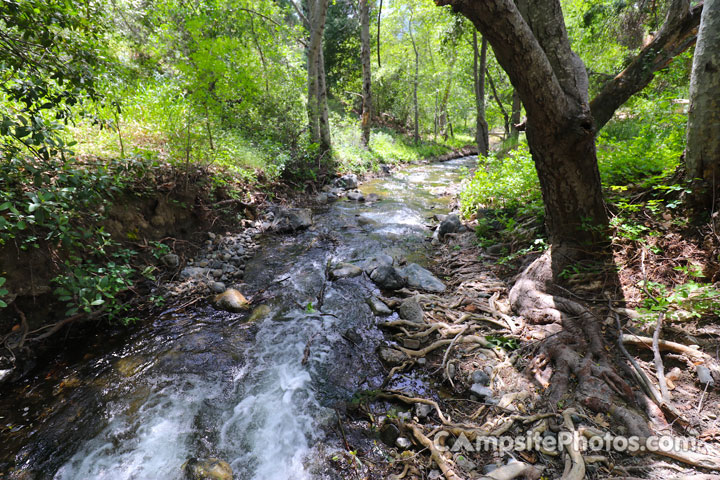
[206, 384]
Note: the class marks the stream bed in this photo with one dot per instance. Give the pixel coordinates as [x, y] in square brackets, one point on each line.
[203, 383]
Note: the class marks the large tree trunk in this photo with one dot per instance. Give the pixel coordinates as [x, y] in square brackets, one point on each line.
[552, 82]
[365, 57]
[317, 97]
[482, 135]
[530, 42]
[702, 155]
[676, 35]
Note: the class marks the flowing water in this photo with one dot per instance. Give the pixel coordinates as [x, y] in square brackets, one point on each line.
[203, 383]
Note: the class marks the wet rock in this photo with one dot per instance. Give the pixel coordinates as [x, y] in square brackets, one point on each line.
[372, 198]
[378, 307]
[207, 469]
[403, 443]
[356, 196]
[385, 169]
[392, 357]
[480, 377]
[170, 260]
[411, 311]
[292, 219]
[418, 277]
[260, 312]
[451, 224]
[346, 270]
[388, 434]
[377, 261]
[481, 390]
[388, 277]
[347, 182]
[231, 300]
[322, 198]
[217, 287]
[704, 375]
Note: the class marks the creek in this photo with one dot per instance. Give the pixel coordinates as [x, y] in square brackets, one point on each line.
[203, 383]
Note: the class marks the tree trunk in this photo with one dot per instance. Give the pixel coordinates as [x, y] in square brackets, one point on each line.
[702, 155]
[416, 133]
[677, 34]
[533, 47]
[365, 57]
[378, 32]
[515, 116]
[325, 139]
[506, 117]
[317, 97]
[443, 109]
[482, 135]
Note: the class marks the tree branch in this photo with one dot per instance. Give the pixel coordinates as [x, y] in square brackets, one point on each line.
[677, 34]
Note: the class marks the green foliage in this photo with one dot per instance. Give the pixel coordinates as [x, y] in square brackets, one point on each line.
[49, 57]
[645, 144]
[503, 342]
[688, 300]
[59, 205]
[508, 183]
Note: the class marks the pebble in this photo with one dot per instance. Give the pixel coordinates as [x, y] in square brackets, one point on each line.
[480, 377]
[481, 390]
[403, 443]
[217, 287]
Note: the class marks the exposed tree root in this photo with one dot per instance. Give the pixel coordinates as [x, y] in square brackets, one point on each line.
[514, 470]
[436, 455]
[578, 349]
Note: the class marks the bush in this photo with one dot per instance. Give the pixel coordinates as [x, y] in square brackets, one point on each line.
[508, 183]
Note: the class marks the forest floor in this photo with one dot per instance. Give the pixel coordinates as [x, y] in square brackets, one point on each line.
[471, 375]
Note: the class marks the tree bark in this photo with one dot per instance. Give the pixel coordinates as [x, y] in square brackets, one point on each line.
[317, 96]
[677, 34]
[443, 109]
[702, 154]
[482, 135]
[365, 57]
[506, 117]
[552, 82]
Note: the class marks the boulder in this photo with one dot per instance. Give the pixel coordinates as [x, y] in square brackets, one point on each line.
[346, 270]
[411, 311]
[418, 277]
[388, 277]
[376, 261]
[231, 300]
[356, 196]
[347, 182]
[290, 220]
[207, 469]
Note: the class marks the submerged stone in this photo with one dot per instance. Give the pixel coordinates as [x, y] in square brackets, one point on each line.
[207, 469]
